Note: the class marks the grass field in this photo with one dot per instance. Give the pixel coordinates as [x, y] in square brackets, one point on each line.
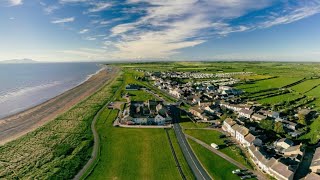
[306, 86]
[132, 153]
[140, 95]
[268, 84]
[211, 136]
[279, 99]
[217, 167]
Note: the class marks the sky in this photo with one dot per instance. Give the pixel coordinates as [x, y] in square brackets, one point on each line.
[148, 30]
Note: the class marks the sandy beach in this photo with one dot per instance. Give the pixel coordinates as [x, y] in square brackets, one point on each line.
[17, 125]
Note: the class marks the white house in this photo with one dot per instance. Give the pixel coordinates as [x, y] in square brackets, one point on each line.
[240, 133]
[258, 117]
[227, 126]
[245, 113]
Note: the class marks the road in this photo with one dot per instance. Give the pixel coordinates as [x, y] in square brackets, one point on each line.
[196, 167]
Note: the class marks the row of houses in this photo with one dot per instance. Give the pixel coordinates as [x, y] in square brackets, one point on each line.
[266, 162]
[195, 75]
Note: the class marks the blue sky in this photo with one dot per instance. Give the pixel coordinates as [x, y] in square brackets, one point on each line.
[97, 30]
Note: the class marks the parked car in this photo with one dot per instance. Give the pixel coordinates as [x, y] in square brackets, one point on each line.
[236, 171]
[215, 146]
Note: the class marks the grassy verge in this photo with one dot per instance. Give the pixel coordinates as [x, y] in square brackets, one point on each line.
[217, 167]
[210, 136]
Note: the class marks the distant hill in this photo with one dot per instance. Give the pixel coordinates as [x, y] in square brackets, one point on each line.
[18, 61]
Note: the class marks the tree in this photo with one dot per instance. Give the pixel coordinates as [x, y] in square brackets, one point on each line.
[302, 119]
[278, 127]
[267, 124]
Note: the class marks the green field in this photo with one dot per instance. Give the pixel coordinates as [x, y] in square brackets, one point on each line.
[140, 95]
[212, 136]
[279, 99]
[306, 86]
[217, 167]
[132, 153]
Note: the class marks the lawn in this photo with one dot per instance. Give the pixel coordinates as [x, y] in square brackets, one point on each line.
[133, 153]
[314, 134]
[217, 167]
[212, 136]
[140, 95]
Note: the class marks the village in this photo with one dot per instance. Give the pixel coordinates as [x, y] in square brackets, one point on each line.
[250, 123]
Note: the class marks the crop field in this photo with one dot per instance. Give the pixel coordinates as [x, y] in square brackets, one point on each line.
[210, 136]
[132, 153]
[217, 167]
[58, 149]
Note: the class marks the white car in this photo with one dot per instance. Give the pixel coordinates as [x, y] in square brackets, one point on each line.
[236, 171]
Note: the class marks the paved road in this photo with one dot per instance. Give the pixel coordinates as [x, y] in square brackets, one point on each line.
[196, 167]
[224, 156]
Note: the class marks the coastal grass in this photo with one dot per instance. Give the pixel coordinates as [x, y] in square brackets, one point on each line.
[216, 166]
[132, 153]
[212, 136]
[60, 148]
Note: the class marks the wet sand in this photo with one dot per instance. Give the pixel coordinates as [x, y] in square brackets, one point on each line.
[17, 125]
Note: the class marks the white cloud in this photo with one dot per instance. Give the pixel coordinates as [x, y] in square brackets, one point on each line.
[293, 16]
[90, 38]
[72, 1]
[50, 9]
[15, 2]
[83, 31]
[63, 20]
[99, 6]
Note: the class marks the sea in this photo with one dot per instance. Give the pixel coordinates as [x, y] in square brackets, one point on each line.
[23, 86]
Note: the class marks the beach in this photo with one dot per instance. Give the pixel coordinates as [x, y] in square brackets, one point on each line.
[19, 124]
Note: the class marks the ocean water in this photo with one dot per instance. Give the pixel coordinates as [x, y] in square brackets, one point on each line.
[26, 85]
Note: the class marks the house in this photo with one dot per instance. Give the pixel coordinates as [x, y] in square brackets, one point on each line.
[294, 152]
[271, 114]
[196, 100]
[315, 163]
[227, 126]
[284, 143]
[281, 171]
[251, 139]
[258, 117]
[198, 113]
[240, 133]
[245, 113]
[290, 125]
[162, 117]
[259, 158]
[312, 176]
[175, 92]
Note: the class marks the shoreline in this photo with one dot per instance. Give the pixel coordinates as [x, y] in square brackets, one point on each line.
[21, 110]
[23, 122]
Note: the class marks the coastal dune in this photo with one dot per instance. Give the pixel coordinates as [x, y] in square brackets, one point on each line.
[17, 125]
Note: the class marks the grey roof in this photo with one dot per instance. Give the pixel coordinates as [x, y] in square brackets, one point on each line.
[245, 111]
[312, 176]
[282, 169]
